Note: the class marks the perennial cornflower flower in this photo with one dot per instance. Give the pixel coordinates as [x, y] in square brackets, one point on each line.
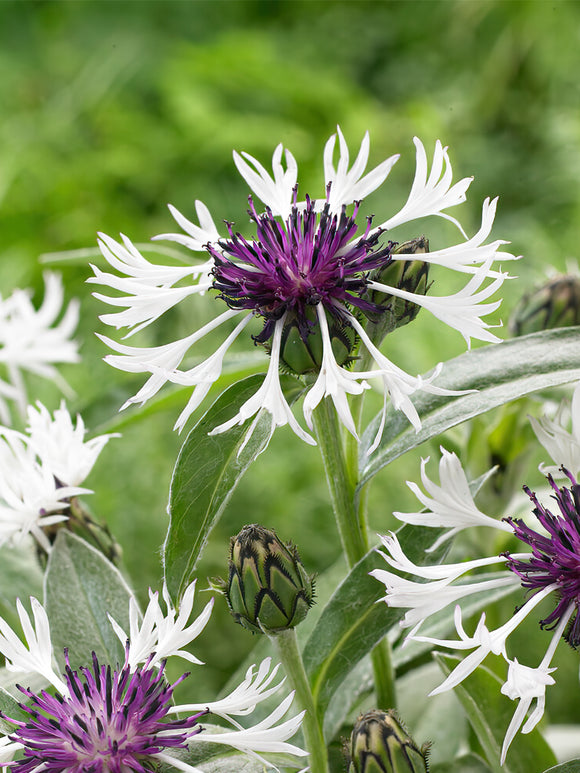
[32, 340]
[117, 719]
[41, 470]
[310, 275]
[550, 570]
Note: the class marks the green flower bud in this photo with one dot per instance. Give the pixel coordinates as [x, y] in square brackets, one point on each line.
[305, 356]
[380, 743]
[556, 304]
[268, 589]
[410, 275]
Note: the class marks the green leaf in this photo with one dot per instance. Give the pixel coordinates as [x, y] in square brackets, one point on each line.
[208, 469]
[10, 708]
[489, 713]
[500, 373]
[470, 763]
[352, 622]
[572, 766]
[81, 588]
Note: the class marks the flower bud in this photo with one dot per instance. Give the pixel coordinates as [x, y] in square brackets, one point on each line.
[268, 589]
[556, 304]
[410, 275]
[302, 356]
[380, 743]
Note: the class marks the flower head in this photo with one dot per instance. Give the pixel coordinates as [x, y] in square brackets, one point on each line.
[33, 340]
[41, 470]
[555, 557]
[309, 276]
[549, 570]
[107, 718]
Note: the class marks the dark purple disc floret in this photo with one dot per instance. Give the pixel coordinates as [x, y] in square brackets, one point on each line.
[555, 558]
[293, 266]
[112, 721]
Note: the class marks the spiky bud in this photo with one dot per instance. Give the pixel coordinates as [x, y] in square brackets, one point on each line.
[268, 589]
[555, 304]
[380, 743]
[301, 350]
[410, 275]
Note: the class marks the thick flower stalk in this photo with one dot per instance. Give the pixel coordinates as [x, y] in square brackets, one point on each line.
[41, 471]
[549, 569]
[115, 719]
[309, 275]
[34, 341]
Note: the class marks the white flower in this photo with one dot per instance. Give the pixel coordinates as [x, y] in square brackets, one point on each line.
[562, 446]
[266, 736]
[528, 684]
[425, 599]
[159, 636]
[347, 185]
[32, 340]
[450, 505]
[461, 311]
[254, 689]
[163, 634]
[431, 195]
[36, 655]
[305, 254]
[60, 444]
[30, 496]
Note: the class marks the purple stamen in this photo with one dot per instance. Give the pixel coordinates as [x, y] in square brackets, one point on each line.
[111, 721]
[555, 558]
[293, 266]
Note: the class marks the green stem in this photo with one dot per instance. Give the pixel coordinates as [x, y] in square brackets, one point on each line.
[340, 481]
[287, 648]
[342, 476]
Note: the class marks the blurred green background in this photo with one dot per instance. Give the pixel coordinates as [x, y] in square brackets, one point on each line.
[110, 110]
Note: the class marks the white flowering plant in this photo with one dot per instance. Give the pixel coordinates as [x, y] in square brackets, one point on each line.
[315, 288]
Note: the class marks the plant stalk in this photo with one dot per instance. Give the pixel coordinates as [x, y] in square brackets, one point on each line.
[286, 646]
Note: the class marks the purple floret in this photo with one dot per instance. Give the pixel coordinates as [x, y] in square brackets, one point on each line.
[293, 266]
[555, 558]
[111, 721]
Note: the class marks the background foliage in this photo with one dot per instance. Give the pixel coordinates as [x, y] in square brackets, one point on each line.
[112, 109]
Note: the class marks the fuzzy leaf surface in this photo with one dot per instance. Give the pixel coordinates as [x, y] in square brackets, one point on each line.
[500, 373]
[81, 588]
[207, 471]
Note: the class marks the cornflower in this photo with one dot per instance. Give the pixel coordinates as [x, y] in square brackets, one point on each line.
[119, 718]
[311, 276]
[550, 569]
[41, 471]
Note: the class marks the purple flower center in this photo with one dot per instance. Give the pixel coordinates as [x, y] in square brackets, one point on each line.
[110, 722]
[293, 266]
[555, 558]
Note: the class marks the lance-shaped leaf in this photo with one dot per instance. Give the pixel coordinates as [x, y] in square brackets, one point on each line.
[501, 373]
[352, 621]
[572, 766]
[489, 713]
[81, 589]
[208, 469]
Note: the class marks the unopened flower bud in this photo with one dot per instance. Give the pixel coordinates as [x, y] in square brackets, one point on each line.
[380, 743]
[555, 304]
[301, 351]
[409, 275]
[268, 589]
